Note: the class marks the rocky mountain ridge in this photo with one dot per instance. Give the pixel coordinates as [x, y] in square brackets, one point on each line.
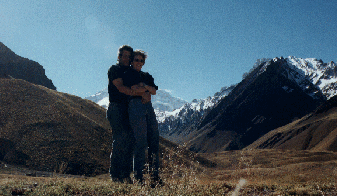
[273, 94]
[15, 66]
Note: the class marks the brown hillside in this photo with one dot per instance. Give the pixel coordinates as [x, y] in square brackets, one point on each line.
[316, 131]
[52, 131]
[46, 130]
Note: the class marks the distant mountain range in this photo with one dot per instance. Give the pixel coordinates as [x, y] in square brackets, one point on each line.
[190, 113]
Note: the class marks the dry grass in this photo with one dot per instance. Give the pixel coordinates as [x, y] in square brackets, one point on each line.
[262, 172]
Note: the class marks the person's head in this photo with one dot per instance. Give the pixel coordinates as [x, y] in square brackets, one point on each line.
[138, 61]
[125, 55]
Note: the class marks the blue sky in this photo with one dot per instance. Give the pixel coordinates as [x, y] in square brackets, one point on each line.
[194, 47]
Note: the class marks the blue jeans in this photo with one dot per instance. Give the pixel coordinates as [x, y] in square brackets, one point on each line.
[123, 141]
[145, 129]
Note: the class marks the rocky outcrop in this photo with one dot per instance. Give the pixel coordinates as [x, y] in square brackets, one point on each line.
[14, 66]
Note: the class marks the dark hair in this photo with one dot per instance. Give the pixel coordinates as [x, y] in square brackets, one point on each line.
[141, 53]
[127, 48]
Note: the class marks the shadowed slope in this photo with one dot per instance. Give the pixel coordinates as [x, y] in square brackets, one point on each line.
[316, 131]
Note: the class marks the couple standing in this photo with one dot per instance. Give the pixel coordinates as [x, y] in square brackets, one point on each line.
[132, 118]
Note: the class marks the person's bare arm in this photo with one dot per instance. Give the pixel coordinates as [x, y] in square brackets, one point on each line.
[147, 91]
[141, 87]
[151, 89]
[126, 90]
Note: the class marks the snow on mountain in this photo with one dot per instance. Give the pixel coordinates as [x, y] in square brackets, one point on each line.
[101, 98]
[322, 75]
[162, 101]
[310, 74]
[179, 119]
[197, 105]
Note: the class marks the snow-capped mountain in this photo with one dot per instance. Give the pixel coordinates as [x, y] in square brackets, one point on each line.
[274, 93]
[310, 74]
[161, 102]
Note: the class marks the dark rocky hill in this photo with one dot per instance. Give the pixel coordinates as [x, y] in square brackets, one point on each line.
[12, 65]
[265, 100]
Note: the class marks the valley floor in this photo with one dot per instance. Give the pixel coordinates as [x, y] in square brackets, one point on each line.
[250, 172]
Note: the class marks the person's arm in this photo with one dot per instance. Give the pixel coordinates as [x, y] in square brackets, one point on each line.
[146, 97]
[151, 89]
[148, 91]
[126, 90]
[142, 87]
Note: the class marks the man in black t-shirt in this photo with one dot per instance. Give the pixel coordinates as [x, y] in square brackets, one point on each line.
[117, 114]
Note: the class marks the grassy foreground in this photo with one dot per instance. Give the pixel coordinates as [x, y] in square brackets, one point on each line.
[260, 172]
[22, 185]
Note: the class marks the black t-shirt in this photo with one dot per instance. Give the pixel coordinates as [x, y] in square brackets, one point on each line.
[116, 71]
[132, 77]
